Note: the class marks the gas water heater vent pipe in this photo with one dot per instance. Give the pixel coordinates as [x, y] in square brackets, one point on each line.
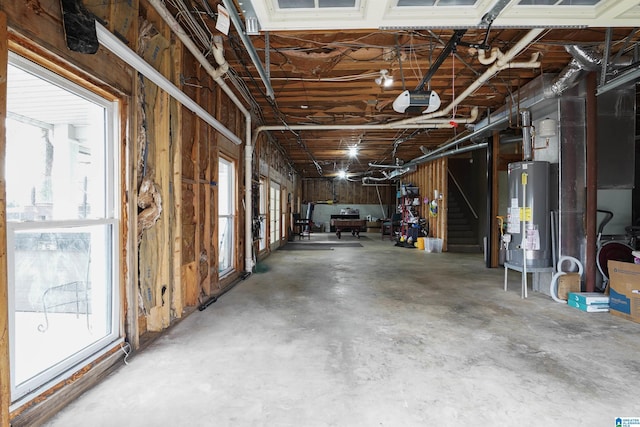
[527, 137]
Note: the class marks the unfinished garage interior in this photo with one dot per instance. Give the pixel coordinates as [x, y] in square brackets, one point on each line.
[319, 212]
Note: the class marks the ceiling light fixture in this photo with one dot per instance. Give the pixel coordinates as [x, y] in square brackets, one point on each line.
[342, 174]
[385, 79]
[353, 151]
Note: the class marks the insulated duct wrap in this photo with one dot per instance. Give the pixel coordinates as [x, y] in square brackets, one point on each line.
[566, 79]
[584, 59]
[587, 58]
[527, 138]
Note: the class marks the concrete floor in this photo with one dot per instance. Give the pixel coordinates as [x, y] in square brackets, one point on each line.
[376, 335]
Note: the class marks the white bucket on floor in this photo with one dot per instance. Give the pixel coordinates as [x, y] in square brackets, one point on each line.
[433, 244]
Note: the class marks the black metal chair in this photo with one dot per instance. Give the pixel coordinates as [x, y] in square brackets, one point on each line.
[390, 226]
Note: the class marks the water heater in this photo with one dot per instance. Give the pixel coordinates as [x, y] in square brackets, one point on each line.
[528, 219]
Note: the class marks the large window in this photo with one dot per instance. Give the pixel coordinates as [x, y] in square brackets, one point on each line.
[274, 214]
[61, 224]
[226, 216]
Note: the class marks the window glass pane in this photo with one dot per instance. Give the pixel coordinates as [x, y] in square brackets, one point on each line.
[226, 212]
[538, 2]
[226, 239]
[456, 2]
[61, 136]
[225, 200]
[295, 4]
[579, 2]
[337, 3]
[61, 295]
[402, 3]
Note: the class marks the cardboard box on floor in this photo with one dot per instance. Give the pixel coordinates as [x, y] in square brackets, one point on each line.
[624, 290]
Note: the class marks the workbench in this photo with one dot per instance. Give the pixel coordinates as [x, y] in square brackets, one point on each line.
[348, 224]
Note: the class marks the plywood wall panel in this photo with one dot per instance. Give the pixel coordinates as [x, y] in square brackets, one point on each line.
[344, 192]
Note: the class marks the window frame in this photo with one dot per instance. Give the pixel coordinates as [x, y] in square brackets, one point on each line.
[110, 219]
[232, 216]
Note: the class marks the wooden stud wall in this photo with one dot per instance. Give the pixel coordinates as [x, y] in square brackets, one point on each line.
[429, 177]
[156, 247]
[189, 133]
[176, 260]
[175, 203]
[345, 192]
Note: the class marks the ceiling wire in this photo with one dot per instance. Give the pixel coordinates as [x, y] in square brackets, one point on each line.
[399, 57]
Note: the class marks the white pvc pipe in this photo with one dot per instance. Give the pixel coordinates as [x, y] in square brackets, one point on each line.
[113, 44]
[553, 288]
[574, 263]
[248, 207]
[430, 123]
[486, 60]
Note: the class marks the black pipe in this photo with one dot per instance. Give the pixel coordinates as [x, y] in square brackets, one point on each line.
[207, 303]
[215, 298]
[448, 48]
[491, 157]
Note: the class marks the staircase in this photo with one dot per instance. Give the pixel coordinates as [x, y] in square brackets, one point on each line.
[461, 235]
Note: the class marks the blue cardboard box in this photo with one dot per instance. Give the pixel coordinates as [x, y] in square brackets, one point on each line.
[624, 290]
[590, 308]
[588, 298]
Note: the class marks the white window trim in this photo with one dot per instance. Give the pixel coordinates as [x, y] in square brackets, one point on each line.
[111, 219]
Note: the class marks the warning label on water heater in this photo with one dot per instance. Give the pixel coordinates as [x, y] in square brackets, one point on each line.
[513, 217]
[532, 239]
[525, 214]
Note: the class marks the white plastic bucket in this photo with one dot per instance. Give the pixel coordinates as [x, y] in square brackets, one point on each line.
[433, 244]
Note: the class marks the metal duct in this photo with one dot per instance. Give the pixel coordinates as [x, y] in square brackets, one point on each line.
[510, 139]
[460, 150]
[527, 138]
[584, 59]
[588, 59]
[624, 77]
[566, 79]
